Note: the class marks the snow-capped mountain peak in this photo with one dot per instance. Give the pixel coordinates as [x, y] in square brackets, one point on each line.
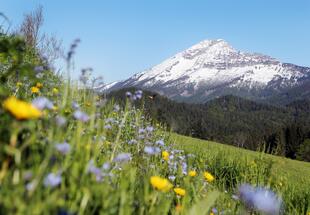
[212, 68]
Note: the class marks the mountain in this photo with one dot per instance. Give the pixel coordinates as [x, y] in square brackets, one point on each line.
[213, 68]
[231, 120]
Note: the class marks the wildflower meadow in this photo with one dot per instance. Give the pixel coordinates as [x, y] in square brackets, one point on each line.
[67, 149]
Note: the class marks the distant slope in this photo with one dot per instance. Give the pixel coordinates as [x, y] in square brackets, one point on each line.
[281, 166]
[213, 68]
[232, 120]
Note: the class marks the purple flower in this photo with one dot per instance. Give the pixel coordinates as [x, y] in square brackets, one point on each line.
[151, 150]
[95, 170]
[106, 166]
[75, 106]
[260, 198]
[122, 157]
[141, 130]
[42, 103]
[128, 94]
[63, 148]
[79, 115]
[61, 121]
[108, 127]
[38, 69]
[149, 128]
[160, 142]
[52, 180]
[171, 177]
[132, 142]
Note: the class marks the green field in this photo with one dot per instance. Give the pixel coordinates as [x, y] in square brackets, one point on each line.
[295, 171]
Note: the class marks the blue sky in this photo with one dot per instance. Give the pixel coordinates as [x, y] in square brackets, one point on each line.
[123, 37]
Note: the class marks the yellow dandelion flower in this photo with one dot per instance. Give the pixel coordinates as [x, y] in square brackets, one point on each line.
[160, 184]
[55, 90]
[35, 90]
[20, 109]
[19, 84]
[179, 191]
[165, 155]
[39, 85]
[192, 173]
[208, 176]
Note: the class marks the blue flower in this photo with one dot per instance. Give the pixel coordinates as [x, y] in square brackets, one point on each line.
[122, 157]
[61, 121]
[75, 106]
[52, 180]
[149, 128]
[63, 148]
[151, 150]
[108, 127]
[79, 115]
[132, 142]
[260, 198]
[42, 103]
[160, 142]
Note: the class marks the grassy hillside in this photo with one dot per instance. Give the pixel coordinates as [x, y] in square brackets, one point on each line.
[236, 121]
[295, 171]
[66, 150]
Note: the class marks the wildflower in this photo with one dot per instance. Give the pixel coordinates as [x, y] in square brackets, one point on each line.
[52, 180]
[108, 127]
[116, 108]
[106, 166]
[39, 69]
[128, 94]
[94, 170]
[55, 91]
[171, 177]
[30, 186]
[160, 184]
[179, 191]
[165, 155]
[141, 130]
[75, 105]
[259, 198]
[149, 128]
[79, 115]
[20, 109]
[63, 148]
[132, 142]
[19, 84]
[122, 157]
[160, 142]
[151, 150]
[61, 121]
[39, 85]
[208, 176]
[192, 173]
[214, 211]
[42, 103]
[35, 90]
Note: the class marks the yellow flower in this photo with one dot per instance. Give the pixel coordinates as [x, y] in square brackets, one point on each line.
[208, 177]
[55, 90]
[35, 90]
[160, 184]
[39, 85]
[179, 191]
[165, 155]
[192, 173]
[20, 109]
[19, 84]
